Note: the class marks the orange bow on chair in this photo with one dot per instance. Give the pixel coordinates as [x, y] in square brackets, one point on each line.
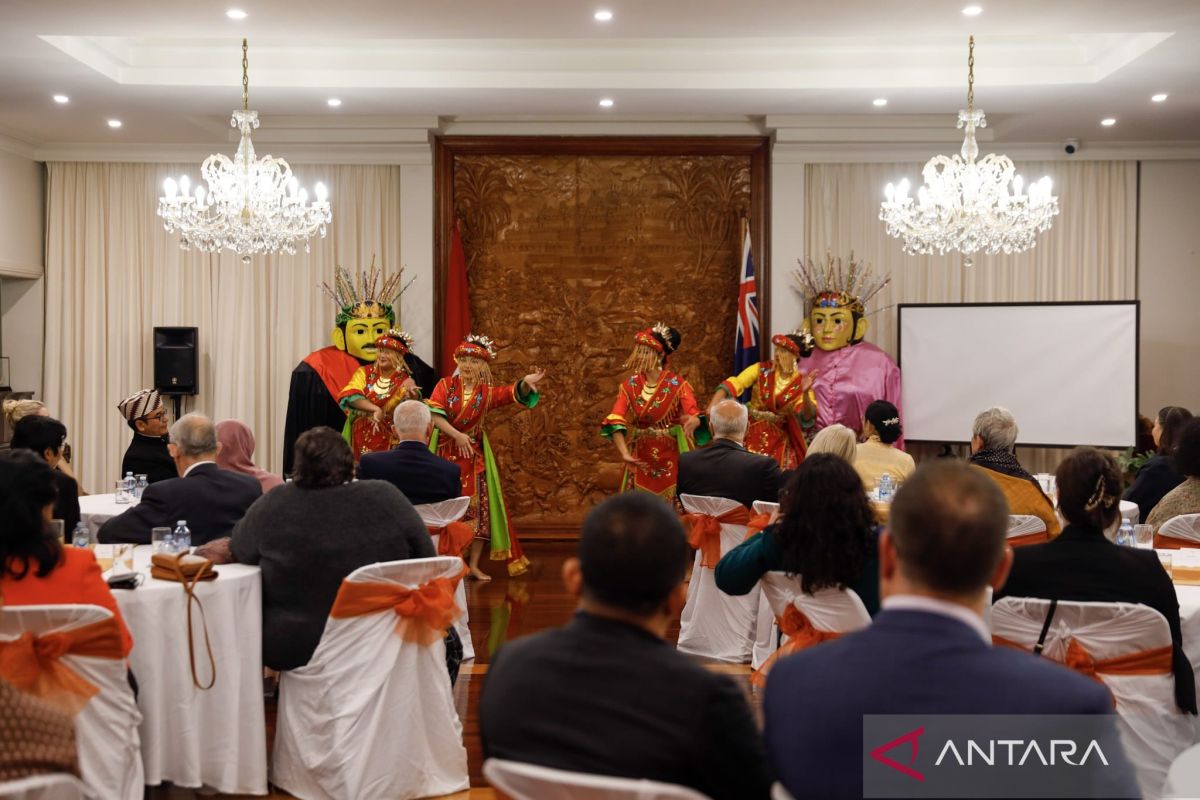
[704, 531]
[801, 635]
[424, 612]
[1038, 537]
[33, 664]
[1156, 661]
[453, 538]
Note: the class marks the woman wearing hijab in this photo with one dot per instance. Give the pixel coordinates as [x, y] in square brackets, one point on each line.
[237, 453]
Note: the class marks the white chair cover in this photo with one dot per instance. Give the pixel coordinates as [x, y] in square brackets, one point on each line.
[714, 624]
[59, 786]
[1153, 730]
[1023, 524]
[106, 729]
[371, 716]
[766, 632]
[780, 792]
[530, 782]
[439, 515]
[764, 507]
[1184, 526]
[1183, 778]
[836, 610]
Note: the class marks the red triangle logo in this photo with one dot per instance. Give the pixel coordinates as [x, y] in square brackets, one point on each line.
[911, 738]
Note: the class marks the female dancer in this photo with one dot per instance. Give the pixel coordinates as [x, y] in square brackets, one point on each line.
[374, 391]
[459, 404]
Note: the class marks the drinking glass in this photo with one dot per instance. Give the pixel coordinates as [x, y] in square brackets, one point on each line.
[160, 540]
[1143, 537]
[104, 556]
[122, 558]
[58, 530]
[121, 493]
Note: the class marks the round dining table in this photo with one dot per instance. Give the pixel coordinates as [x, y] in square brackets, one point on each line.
[97, 509]
[191, 736]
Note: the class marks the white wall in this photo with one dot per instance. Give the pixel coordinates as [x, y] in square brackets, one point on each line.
[1169, 284]
[22, 240]
[22, 331]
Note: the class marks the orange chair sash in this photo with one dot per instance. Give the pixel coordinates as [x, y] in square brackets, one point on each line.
[704, 532]
[801, 634]
[757, 524]
[1164, 542]
[1155, 661]
[32, 663]
[1038, 537]
[453, 538]
[424, 613]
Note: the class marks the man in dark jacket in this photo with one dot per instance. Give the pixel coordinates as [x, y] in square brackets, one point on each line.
[147, 455]
[725, 468]
[423, 476]
[210, 499]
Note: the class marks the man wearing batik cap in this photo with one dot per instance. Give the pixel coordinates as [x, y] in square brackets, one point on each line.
[147, 455]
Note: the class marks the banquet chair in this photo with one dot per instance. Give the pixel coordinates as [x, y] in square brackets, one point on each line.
[764, 507]
[766, 629]
[1178, 532]
[55, 786]
[106, 728]
[808, 619]
[437, 516]
[713, 624]
[372, 716]
[1026, 529]
[1088, 637]
[521, 781]
[1183, 778]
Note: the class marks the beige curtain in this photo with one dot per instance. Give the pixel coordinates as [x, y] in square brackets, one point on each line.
[113, 274]
[1088, 254]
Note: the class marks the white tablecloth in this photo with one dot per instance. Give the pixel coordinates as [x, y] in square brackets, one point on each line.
[191, 737]
[97, 509]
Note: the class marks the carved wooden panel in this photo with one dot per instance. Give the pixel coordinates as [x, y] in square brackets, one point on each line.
[568, 256]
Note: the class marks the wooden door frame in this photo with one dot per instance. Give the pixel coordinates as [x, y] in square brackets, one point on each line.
[447, 148]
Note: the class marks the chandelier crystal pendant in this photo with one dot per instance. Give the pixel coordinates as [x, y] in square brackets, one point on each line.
[967, 205]
[252, 205]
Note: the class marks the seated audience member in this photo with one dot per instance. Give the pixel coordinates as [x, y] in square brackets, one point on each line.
[35, 737]
[825, 536]
[1082, 565]
[236, 453]
[725, 468]
[423, 476]
[45, 437]
[836, 440]
[17, 410]
[1184, 498]
[992, 440]
[927, 652]
[605, 694]
[878, 454]
[210, 499]
[309, 534]
[147, 454]
[35, 568]
[1159, 475]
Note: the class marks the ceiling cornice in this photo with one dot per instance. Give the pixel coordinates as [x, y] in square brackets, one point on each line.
[17, 146]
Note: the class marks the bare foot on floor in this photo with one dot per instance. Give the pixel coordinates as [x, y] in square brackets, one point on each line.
[480, 575]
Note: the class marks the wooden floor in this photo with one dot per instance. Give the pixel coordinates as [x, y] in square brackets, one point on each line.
[501, 609]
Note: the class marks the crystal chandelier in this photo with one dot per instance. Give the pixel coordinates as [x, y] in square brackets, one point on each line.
[252, 205]
[965, 205]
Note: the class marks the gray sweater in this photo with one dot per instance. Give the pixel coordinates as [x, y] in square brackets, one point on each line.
[307, 541]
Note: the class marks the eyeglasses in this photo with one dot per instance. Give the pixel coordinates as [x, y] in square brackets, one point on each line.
[160, 414]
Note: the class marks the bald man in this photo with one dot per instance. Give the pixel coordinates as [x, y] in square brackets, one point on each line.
[725, 468]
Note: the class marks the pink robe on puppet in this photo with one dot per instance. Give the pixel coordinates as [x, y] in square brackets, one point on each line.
[848, 380]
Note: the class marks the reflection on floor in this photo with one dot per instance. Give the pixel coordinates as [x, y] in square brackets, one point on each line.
[499, 610]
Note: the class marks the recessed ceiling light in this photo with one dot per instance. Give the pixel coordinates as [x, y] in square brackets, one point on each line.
[1108, 122]
[972, 11]
[879, 102]
[1158, 98]
[114, 123]
[333, 102]
[603, 15]
[61, 98]
[236, 13]
[606, 102]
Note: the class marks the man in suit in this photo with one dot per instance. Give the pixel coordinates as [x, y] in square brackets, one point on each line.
[605, 694]
[423, 476]
[945, 546]
[147, 454]
[725, 468]
[210, 499]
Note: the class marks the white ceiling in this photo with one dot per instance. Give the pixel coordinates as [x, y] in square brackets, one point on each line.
[1045, 69]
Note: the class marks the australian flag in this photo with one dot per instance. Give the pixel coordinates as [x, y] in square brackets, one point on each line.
[745, 346]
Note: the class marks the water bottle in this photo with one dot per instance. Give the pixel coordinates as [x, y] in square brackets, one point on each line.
[81, 536]
[885, 488]
[130, 483]
[140, 486]
[1125, 534]
[181, 539]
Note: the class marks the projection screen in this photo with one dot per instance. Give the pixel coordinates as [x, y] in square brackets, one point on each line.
[1067, 371]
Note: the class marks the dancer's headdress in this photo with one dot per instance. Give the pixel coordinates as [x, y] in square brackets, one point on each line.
[365, 299]
[834, 285]
[660, 337]
[799, 341]
[396, 340]
[476, 346]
